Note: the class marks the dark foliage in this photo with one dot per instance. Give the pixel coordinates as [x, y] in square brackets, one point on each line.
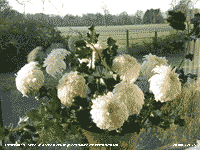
[176, 20]
[20, 38]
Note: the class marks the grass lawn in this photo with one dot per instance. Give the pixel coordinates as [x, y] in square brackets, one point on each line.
[137, 34]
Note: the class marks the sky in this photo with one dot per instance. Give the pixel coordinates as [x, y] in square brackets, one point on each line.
[79, 7]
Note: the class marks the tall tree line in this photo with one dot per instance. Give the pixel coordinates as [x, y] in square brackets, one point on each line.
[151, 16]
[70, 20]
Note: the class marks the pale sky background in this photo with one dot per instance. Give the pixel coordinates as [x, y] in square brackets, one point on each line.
[79, 7]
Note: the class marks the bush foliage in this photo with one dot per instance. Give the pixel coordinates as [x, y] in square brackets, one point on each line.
[18, 39]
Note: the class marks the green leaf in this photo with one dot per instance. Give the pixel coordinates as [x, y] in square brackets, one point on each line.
[80, 43]
[3, 132]
[176, 20]
[97, 36]
[91, 28]
[54, 105]
[31, 128]
[110, 41]
[88, 35]
[110, 82]
[193, 76]
[42, 111]
[34, 115]
[27, 135]
[74, 127]
[190, 56]
[11, 138]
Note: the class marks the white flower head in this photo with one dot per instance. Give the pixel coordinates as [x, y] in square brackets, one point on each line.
[131, 95]
[36, 54]
[29, 78]
[127, 67]
[165, 84]
[108, 112]
[54, 62]
[70, 85]
[150, 62]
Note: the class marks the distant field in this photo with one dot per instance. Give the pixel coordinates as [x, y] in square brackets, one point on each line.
[137, 33]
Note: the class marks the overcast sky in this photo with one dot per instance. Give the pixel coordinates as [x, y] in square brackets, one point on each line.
[79, 7]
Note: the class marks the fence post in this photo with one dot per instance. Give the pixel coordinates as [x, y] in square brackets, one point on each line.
[127, 38]
[155, 40]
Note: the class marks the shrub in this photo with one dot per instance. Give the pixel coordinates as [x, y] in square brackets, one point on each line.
[24, 37]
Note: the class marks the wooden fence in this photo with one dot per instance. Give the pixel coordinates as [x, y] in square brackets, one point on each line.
[155, 38]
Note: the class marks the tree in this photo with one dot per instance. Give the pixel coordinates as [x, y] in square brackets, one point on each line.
[58, 21]
[12, 15]
[86, 20]
[4, 4]
[77, 20]
[124, 18]
[137, 19]
[4, 7]
[139, 13]
[110, 19]
[106, 12]
[177, 20]
[183, 7]
[114, 21]
[66, 20]
[153, 16]
[99, 19]
[92, 18]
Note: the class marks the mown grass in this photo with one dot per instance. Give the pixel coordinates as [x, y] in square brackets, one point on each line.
[136, 34]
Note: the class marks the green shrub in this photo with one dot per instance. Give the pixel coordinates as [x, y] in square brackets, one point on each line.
[24, 37]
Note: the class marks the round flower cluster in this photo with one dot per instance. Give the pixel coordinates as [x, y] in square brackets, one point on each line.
[70, 85]
[131, 95]
[108, 112]
[165, 83]
[127, 67]
[29, 78]
[150, 62]
[54, 62]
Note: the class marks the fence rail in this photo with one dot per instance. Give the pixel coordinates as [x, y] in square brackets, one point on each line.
[155, 38]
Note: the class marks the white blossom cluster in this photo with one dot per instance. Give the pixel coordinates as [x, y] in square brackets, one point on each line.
[111, 110]
[29, 78]
[54, 62]
[70, 85]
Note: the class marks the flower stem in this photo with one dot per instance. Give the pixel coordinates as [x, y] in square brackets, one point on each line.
[102, 61]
